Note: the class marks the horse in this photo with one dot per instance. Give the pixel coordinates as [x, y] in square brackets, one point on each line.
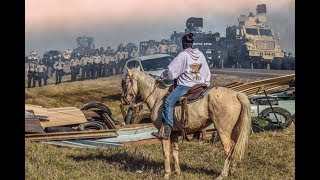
[228, 110]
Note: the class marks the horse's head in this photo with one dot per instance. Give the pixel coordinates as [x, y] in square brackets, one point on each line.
[130, 87]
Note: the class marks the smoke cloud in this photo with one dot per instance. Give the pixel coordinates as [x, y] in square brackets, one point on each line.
[55, 24]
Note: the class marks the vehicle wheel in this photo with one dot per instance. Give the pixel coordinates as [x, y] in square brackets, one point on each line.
[98, 105]
[283, 115]
[92, 125]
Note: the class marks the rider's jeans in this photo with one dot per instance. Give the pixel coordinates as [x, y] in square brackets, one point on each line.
[169, 103]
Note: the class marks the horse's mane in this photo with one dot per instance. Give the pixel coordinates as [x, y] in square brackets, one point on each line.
[144, 79]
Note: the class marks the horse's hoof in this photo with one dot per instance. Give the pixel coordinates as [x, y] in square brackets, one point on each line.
[166, 176]
[220, 177]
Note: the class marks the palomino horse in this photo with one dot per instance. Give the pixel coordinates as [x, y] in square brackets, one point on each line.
[228, 110]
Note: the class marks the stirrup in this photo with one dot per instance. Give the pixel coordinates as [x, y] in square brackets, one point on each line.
[163, 133]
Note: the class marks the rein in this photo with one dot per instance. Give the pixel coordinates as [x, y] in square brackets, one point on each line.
[136, 95]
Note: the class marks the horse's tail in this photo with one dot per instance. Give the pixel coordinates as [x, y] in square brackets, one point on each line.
[244, 128]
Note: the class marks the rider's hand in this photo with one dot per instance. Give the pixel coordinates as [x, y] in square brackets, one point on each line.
[159, 80]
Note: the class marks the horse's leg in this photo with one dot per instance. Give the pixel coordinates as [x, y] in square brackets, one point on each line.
[166, 154]
[175, 153]
[227, 146]
[224, 131]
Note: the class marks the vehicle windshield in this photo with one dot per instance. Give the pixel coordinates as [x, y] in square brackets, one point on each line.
[156, 64]
[265, 32]
[252, 31]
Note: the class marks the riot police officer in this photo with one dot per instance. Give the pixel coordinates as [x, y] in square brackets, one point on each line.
[104, 67]
[74, 68]
[97, 64]
[84, 67]
[41, 70]
[134, 53]
[58, 67]
[109, 51]
[32, 73]
[173, 49]
[163, 47]
[90, 69]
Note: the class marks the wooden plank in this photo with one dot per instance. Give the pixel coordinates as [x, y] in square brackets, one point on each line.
[72, 135]
[109, 121]
[134, 126]
[64, 116]
[268, 85]
[268, 90]
[38, 110]
[233, 84]
[32, 124]
[282, 80]
[265, 85]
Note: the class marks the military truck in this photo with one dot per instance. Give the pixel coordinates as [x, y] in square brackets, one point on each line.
[206, 42]
[252, 43]
[85, 46]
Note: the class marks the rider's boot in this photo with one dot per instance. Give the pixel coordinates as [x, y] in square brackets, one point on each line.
[164, 132]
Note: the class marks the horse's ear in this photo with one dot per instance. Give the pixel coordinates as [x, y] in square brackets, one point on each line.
[128, 71]
[139, 68]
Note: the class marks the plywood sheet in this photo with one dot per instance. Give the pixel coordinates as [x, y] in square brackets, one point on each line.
[57, 116]
[32, 124]
[64, 116]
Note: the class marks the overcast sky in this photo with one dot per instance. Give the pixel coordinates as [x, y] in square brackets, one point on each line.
[55, 24]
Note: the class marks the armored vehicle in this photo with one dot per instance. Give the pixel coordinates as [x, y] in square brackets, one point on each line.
[206, 42]
[252, 43]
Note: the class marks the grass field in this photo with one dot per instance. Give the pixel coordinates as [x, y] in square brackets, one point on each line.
[270, 155]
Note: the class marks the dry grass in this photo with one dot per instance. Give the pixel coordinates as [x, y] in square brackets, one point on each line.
[77, 94]
[271, 154]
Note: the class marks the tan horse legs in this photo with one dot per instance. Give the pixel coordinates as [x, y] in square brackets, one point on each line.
[175, 153]
[166, 153]
[227, 146]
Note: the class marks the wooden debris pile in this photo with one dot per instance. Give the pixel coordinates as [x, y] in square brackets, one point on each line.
[258, 87]
[63, 123]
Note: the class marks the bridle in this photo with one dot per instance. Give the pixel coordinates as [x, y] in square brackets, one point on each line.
[131, 78]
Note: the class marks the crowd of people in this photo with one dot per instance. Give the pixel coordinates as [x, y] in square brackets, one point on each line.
[93, 64]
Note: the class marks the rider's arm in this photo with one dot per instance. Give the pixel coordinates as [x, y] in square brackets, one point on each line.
[175, 68]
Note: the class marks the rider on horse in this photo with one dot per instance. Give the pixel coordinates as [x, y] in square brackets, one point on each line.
[189, 68]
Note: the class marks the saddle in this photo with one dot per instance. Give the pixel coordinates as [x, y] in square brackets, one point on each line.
[195, 93]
